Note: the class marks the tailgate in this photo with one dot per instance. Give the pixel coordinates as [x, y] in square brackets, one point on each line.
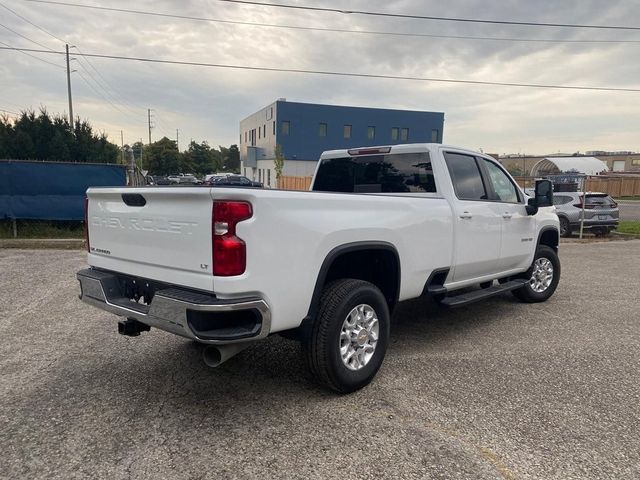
[157, 233]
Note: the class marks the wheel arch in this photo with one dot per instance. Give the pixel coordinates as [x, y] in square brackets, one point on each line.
[343, 262]
[549, 236]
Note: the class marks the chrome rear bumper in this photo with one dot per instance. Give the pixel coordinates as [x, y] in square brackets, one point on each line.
[189, 313]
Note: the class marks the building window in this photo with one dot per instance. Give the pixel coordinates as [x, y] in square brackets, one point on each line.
[274, 127]
[285, 127]
[394, 133]
[240, 138]
[434, 136]
[404, 134]
[371, 133]
[347, 131]
[245, 137]
[259, 132]
[264, 131]
[269, 113]
[269, 177]
[322, 130]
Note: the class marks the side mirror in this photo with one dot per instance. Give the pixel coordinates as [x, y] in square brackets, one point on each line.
[543, 197]
[544, 193]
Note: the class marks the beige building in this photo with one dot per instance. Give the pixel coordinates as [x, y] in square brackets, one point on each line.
[617, 162]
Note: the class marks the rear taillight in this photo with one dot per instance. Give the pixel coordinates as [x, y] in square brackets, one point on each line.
[586, 207]
[86, 223]
[613, 205]
[229, 251]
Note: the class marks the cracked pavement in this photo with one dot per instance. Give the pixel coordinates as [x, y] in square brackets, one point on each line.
[497, 390]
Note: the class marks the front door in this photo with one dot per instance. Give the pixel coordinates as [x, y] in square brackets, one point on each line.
[477, 225]
[518, 228]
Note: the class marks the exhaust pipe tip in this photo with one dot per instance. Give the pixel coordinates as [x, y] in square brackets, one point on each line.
[216, 355]
[212, 356]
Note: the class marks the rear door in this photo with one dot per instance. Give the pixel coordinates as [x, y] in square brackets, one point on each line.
[160, 233]
[477, 225]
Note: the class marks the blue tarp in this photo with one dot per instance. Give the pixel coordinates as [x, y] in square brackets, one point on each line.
[51, 190]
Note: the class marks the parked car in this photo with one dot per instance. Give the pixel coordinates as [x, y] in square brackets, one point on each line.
[234, 181]
[601, 213]
[161, 180]
[231, 266]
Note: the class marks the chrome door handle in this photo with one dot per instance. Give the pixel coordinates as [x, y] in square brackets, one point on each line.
[507, 215]
[465, 215]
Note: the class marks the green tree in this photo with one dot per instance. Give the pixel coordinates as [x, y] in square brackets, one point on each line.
[230, 158]
[278, 163]
[162, 157]
[45, 137]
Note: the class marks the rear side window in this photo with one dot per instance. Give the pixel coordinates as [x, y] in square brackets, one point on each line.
[561, 199]
[466, 177]
[394, 173]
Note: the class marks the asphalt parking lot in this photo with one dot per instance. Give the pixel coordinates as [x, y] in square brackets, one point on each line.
[498, 390]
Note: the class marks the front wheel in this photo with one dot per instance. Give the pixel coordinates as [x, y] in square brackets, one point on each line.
[349, 337]
[543, 276]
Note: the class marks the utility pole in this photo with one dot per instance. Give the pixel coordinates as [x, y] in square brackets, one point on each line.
[149, 121]
[177, 140]
[122, 145]
[69, 89]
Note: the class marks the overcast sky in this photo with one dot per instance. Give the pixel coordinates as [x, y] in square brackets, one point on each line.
[208, 103]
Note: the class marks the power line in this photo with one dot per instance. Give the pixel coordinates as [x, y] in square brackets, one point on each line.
[9, 112]
[21, 50]
[417, 17]
[25, 37]
[340, 74]
[31, 23]
[81, 65]
[321, 29]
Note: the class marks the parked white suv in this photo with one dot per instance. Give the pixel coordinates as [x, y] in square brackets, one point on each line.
[229, 266]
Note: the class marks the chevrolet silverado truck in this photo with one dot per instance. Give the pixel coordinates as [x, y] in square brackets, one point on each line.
[230, 266]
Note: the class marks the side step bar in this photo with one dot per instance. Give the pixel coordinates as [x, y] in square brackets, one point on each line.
[477, 295]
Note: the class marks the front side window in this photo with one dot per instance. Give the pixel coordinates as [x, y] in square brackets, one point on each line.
[285, 127]
[394, 133]
[347, 131]
[393, 173]
[504, 188]
[466, 177]
[322, 130]
[404, 134]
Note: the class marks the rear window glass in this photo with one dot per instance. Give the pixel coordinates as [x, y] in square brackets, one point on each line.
[599, 200]
[399, 172]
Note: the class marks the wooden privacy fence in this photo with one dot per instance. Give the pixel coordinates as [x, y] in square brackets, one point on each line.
[618, 186]
[294, 183]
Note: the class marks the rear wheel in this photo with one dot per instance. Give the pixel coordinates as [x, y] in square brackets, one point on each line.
[349, 337]
[543, 276]
[565, 227]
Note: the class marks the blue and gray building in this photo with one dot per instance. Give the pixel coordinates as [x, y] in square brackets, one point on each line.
[305, 130]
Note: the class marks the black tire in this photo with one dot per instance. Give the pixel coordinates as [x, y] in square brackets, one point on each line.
[565, 227]
[527, 294]
[322, 348]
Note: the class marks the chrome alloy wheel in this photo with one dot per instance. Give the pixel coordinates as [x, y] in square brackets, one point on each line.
[359, 337]
[542, 275]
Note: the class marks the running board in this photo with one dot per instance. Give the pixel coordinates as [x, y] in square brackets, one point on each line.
[477, 295]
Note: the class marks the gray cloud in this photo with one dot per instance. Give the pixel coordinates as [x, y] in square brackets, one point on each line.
[207, 103]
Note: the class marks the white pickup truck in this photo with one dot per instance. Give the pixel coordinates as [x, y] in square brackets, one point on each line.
[229, 266]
